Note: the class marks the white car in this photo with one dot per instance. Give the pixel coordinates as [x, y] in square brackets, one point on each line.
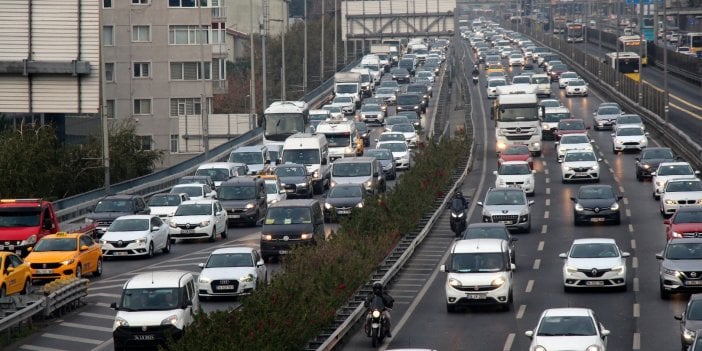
[570, 142]
[580, 165]
[576, 87]
[629, 138]
[195, 191]
[629, 120]
[565, 78]
[274, 191]
[335, 111]
[680, 193]
[492, 85]
[198, 219]
[670, 170]
[546, 103]
[231, 271]
[408, 131]
[515, 174]
[594, 263]
[516, 59]
[426, 74]
[387, 94]
[165, 204]
[400, 151]
[568, 329]
[136, 235]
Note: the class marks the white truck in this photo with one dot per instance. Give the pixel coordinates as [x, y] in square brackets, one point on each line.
[517, 121]
[348, 84]
[384, 52]
[367, 86]
[543, 84]
[342, 138]
[372, 62]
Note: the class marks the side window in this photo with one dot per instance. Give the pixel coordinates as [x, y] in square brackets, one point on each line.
[190, 291]
[86, 240]
[256, 256]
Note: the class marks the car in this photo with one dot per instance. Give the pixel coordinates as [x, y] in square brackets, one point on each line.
[686, 222]
[347, 104]
[492, 85]
[64, 255]
[200, 179]
[495, 74]
[372, 113]
[387, 162]
[197, 219]
[580, 165]
[494, 68]
[521, 80]
[509, 206]
[408, 131]
[556, 70]
[629, 120]
[400, 75]
[596, 204]
[342, 200]
[136, 235]
[256, 157]
[690, 321]
[387, 94]
[112, 206]
[681, 262]
[594, 263]
[335, 111]
[316, 117]
[576, 87]
[231, 271]
[375, 100]
[528, 69]
[492, 231]
[426, 74]
[515, 174]
[570, 142]
[565, 78]
[571, 326]
[670, 170]
[605, 116]
[420, 89]
[218, 171]
[295, 179]
[650, 158]
[629, 138]
[411, 102]
[680, 193]
[432, 66]
[516, 59]
[195, 191]
[392, 120]
[16, 276]
[165, 204]
[516, 152]
[363, 132]
[412, 118]
[274, 190]
[570, 126]
[400, 151]
[245, 199]
[697, 343]
[390, 136]
[546, 103]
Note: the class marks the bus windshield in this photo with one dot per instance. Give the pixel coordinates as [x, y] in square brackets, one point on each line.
[280, 126]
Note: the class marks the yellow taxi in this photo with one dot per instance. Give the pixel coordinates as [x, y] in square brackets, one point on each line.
[64, 255]
[15, 276]
[495, 67]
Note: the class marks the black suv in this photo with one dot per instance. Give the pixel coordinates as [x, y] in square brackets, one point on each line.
[420, 89]
[110, 207]
[649, 160]
[295, 179]
[410, 102]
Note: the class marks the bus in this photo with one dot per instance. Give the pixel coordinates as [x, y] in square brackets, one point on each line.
[559, 25]
[633, 43]
[648, 29]
[574, 32]
[284, 118]
[693, 41]
[628, 64]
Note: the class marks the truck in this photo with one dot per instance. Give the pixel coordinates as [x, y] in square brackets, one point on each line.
[384, 52]
[559, 25]
[517, 121]
[367, 86]
[348, 84]
[23, 222]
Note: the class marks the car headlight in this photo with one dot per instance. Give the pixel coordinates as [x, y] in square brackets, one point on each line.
[247, 278]
[618, 269]
[524, 211]
[29, 241]
[688, 334]
[455, 282]
[614, 207]
[593, 348]
[172, 320]
[562, 150]
[646, 166]
[172, 224]
[617, 141]
[250, 205]
[204, 223]
[315, 174]
[332, 183]
[266, 237]
[539, 348]
[204, 280]
[306, 236]
[67, 262]
[327, 205]
[660, 183]
[595, 167]
[668, 271]
[676, 235]
[670, 202]
[103, 241]
[140, 241]
[120, 322]
[578, 207]
[501, 146]
[360, 205]
[571, 270]
[498, 282]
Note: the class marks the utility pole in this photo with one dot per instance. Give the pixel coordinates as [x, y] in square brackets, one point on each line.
[304, 56]
[284, 25]
[642, 44]
[252, 80]
[666, 97]
[321, 61]
[336, 44]
[264, 32]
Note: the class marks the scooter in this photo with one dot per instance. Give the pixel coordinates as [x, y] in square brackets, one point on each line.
[458, 217]
[475, 79]
[376, 325]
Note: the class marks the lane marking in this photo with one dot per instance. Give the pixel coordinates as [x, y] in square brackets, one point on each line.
[546, 214]
[626, 200]
[546, 171]
[508, 342]
[637, 310]
[633, 244]
[687, 111]
[544, 229]
[84, 326]
[635, 262]
[520, 312]
[636, 284]
[72, 338]
[684, 101]
[544, 163]
[548, 180]
[548, 191]
[631, 228]
[39, 348]
[541, 246]
[621, 189]
[636, 345]
[537, 264]
[116, 296]
[96, 315]
[530, 286]
[548, 202]
[628, 212]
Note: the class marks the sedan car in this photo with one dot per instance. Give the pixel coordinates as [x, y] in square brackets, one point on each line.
[570, 126]
[690, 321]
[580, 165]
[670, 170]
[390, 136]
[515, 174]
[136, 235]
[516, 152]
[15, 276]
[165, 204]
[681, 262]
[400, 151]
[342, 199]
[387, 94]
[393, 120]
[594, 263]
[195, 191]
[650, 158]
[686, 222]
[426, 74]
[570, 142]
[231, 271]
[335, 111]
[629, 138]
[197, 219]
[516, 59]
[576, 87]
[595, 204]
[400, 75]
[295, 179]
[492, 231]
[408, 131]
[386, 161]
[64, 255]
[492, 85]
[606, 116]
[565, 78]
[629, 120]
[564, 328]
[411, 102]
[680, 193]
[347, 104]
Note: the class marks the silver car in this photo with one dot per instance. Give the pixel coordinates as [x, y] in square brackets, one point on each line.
[606, 116]
[509, 206]
[681, 262]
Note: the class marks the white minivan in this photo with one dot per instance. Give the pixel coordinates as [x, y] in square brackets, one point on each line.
[311, 150]
[154, 307]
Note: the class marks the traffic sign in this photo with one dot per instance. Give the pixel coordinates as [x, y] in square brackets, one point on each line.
[646, 2]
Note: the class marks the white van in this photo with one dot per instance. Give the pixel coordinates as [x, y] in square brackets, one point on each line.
[219, 171]
[341, 136]
[311, 150]
[372, 62]
[154, 307]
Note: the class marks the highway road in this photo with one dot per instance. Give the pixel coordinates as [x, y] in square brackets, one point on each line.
[638, 318]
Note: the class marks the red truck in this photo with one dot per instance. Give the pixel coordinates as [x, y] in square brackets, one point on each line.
[24, 221]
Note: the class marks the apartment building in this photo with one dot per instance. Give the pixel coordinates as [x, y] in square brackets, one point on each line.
[163, 61]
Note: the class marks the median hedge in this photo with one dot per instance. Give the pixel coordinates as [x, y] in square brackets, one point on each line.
[298, 304]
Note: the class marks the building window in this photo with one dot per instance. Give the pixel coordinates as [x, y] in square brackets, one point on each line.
[140, 2]
[182, 3]
[108, 36]
[142, 70]
[174, 143]
[141, 34]
[190, 71]
[142, 106]
[110, 108]
[106, 4]
[109, 71]
[186, 107]
[145, 141]
[188, 35]
[219, 35]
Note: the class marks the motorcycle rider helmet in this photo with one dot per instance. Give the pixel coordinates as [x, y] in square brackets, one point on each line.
[378, 288]
[458, 194]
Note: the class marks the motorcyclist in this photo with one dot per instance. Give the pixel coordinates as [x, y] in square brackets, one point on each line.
[388, 301]
[459, 196]
[476, 71]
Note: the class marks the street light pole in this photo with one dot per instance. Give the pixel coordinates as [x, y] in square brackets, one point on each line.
[336, 25]
[252, 81]
[642, 43]
[304, 54]
[284, 24]
[666, 96]
[321, 61]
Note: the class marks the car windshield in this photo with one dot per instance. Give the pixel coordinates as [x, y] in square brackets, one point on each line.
[486, 233]
[238, 259]
[403, 127]
[217, 174]
[192, 191]
[566, 326]
[383, 91]
[496, 83]
[370, 108]
[652, 154]
[541, 80]
[345, 89]
[609, 110]
[408, 99]
[338, 139]
[566, 75]
[521, 80]
[237, 192]
[391, 137]
[683, 186]
[505, 198]
[514, 169]
[594, 250]
[343, 99]
[394, 147]
[629, 120]
[130, 225]
[291, 171]
[556, 116]
[390, 83]
[419, 89]
[380, 154]
[675, 170]
[575, 139]
[477, 262]
[301, 156]
[356, 169]
[332, 109]
[571, 125]
[114, 206]
[425, 74]
[345, 191]
[694, 310]
[549, 103]
[683, 251]
[579, 157]
[288, 215]
[249, 158]
[516, 150]
[156, 299]
[596, 192]
[56, 244]
[515, 56]
[20, 217]
[630, 131]
[688, 217]
[194, 210]
[164, 200]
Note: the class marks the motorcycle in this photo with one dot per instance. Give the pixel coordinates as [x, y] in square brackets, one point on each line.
[475, 79]
[376, 325]
[458, 217]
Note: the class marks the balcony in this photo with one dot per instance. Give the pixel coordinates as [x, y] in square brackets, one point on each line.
[220, 86]
[219, 51]
[219, 15]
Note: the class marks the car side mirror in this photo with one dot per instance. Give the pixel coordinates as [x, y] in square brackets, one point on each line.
[29, 249]
[599, 159]
[573, 199]
[678, 317]
[612, 134]
[479, 203]
[155, 228]
[666, 221]
[531, 202]
[625, 254]
[84, 248]
[529, 334]
[114, 306]
[594, 113]
[443, 268]
[324, 161]
[563, 255]
[619, 197]
[653, 173]
[375, 174]
[201, 265]
[659, 256]
[604, 333]
[494, 172]
[260, 263]
[10, 269]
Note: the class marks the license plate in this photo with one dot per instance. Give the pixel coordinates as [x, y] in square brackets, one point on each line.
[594, 283]
[476, 296]
[45, 271]
[283, 252]
[225, 287]
[234, 216]
[187, 231]
[18, 252]
[145, 337]
[581, 174]
[693, 282]
[597, 219]
[506, 222]
[289, 190]
[121, 253]
[343, 211]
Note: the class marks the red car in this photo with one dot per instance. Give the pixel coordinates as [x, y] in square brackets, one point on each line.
[570, 126]
[515, 152]
[556, 71]
[686, 222]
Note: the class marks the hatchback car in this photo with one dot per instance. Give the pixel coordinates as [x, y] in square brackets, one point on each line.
[492, 231]
[387, 161]
[576, 87]
[580, 165]
[596, 204]
[670, 170]
[64, 255]
[690, 321]
[295, 179]
[411, 102]
[629, 120]
[686, 222]
[568, 326]
[509, 206]
[649, 160]
[136, 235]
[342, 200]
[606, 116]
[680, 193]
[231, 271]
[516, 152]
[515, 174]
[629, 138]
[197, 219]
[681, 262]
[594, 263]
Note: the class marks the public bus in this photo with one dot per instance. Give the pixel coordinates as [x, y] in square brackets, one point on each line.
[693, 41]
[628, 64]
[284, 118]
[574, 32]
[633, 43]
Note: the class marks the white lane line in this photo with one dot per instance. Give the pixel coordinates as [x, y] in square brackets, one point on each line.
[626, 200]
[39, 348]
[631, 228]
[544, 163]
[635, 262]
[637, 310]
[548, 180]
[102, 304]
[548, 202]
[541, 246]
[633, 244]
[97, 315]
[636, 345]
[611, 170]
[544, 229]
[72, 338]
[546, 214]
[636, 284]
[605, 160]
[628, 212]
[88, 327]
[621, 189]
[548, 191]
[545, 171]
[537, 264]
[530, 286]
[508, 342]
[520, 312]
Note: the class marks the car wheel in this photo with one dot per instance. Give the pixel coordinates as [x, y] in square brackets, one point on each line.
[98, 269]
[450, 308]
[567, 289]
[639, 176]
[665, 295]
[213, 235]
[79, 272]
[3, 292]
[151, 250]
[224, 232]
[27, 287]
[167, 248]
